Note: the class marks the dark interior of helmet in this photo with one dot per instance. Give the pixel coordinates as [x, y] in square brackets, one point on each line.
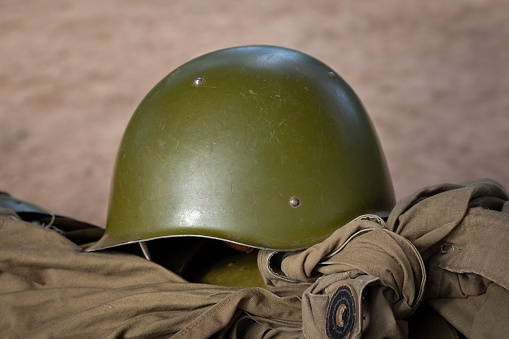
[203, 260]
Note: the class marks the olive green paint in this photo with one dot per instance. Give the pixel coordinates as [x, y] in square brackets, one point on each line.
[219, 147]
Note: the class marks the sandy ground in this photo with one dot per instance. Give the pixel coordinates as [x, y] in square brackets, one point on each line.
[434, 76]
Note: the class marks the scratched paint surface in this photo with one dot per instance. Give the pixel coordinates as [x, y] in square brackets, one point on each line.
[221, 147]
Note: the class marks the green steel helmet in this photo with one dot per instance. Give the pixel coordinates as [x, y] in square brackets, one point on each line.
[256, 145]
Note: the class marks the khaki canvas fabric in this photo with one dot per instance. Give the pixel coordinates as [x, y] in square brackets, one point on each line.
[445, 245]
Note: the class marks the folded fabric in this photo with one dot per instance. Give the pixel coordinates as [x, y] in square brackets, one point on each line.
[444, 245]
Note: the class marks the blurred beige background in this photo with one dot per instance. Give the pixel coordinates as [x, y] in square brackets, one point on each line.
[434, 76]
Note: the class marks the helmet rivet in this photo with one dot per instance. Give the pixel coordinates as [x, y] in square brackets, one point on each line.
[332, 75]
[294, 202]
[198, 81]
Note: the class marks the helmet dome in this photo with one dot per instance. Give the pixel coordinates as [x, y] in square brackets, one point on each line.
[257, 145]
